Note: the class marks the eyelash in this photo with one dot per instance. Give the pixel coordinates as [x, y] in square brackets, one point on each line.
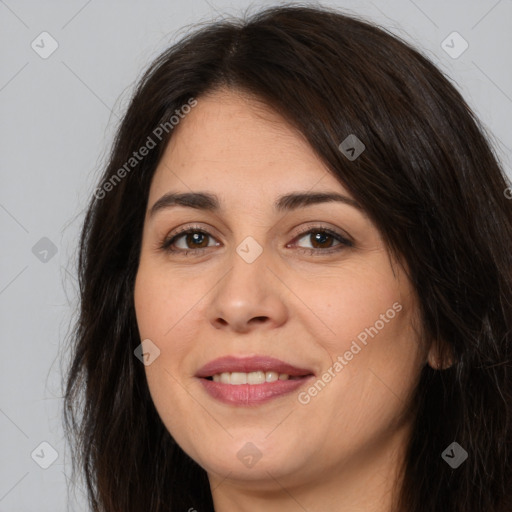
[166, 244]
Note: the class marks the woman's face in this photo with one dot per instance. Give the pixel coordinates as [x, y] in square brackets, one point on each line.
[308, 282]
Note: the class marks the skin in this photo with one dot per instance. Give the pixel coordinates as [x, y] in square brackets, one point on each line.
[341, 451]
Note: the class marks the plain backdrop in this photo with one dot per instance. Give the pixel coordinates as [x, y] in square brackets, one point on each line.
[58, 114]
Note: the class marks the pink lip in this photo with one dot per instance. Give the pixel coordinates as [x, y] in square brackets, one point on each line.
[250, 364]
[251, 394]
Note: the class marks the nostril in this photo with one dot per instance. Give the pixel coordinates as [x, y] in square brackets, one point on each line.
[260, 319]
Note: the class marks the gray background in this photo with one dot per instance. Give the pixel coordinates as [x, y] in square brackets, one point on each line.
[58, 118]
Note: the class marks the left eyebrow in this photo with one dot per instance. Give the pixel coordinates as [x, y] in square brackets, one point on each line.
[296, 200]
[210, 202]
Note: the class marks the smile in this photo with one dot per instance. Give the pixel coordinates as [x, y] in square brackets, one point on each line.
[251, 380]
[258, 377]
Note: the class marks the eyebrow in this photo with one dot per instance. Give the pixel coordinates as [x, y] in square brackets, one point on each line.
[285, 203]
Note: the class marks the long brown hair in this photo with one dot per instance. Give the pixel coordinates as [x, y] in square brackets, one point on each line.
[428, 179]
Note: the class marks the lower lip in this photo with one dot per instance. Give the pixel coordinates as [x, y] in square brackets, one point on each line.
[252, 394]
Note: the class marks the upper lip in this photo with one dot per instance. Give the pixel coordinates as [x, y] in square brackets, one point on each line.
[250, 364]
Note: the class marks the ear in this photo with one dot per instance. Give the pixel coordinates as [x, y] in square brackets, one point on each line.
[440, 356]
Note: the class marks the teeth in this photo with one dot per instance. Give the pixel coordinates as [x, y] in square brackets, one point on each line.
[237, 378]
[271, 376]
[253, 377]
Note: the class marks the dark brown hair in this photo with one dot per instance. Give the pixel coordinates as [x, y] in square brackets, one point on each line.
[428, 179]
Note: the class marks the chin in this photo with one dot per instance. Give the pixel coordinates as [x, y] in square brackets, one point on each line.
[253, 460]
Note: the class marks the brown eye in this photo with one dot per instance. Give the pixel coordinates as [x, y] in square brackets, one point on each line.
[188, 240]
[323, 240]
[196, 240]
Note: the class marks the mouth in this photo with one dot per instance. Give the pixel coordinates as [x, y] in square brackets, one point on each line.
[251, 380]
[257, 377]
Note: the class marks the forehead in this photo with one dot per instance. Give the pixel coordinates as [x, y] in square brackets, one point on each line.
[231, 142]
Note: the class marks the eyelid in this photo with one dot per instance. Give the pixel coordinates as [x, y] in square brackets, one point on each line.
[319, 226]
[178, 232]
[343, 238]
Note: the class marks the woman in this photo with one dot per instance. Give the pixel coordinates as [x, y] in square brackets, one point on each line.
[295, 283]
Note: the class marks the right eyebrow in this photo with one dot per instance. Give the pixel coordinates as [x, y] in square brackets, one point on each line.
[197, 200]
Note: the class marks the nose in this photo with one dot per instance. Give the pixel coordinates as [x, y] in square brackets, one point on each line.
[248, 297]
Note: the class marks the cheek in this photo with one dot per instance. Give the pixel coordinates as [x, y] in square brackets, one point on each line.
[168, 307]
[163, 301]
[367, 331]
[374, 346]
[349, 302]
[164, 312]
